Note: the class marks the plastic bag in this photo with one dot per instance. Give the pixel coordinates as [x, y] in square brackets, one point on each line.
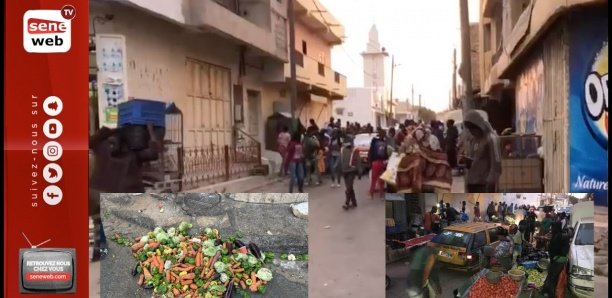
[390, 174]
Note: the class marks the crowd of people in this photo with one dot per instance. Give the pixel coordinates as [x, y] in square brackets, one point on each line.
[431, 153]
[551, 235]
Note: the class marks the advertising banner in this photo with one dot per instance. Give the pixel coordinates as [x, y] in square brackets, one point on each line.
[46, 149]
[588, 106]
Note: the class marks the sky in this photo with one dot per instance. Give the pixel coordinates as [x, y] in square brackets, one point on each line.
[420, 34]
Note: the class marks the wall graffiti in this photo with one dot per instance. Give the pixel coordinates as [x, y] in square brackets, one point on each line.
[529, 98]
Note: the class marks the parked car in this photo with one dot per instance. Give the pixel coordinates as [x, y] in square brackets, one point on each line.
[362, 143]
[461, 247]
[582, 254]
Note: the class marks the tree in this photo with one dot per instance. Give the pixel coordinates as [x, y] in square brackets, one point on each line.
[426, 114]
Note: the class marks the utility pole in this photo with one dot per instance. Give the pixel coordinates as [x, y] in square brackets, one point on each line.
[292, 67]
[393, 65]
[454, 91]
[419, 101]
[466, 56]
[420, 107]
[391, 91]
[412, 97]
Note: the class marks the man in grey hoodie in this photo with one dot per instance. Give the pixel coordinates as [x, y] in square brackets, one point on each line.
[485, 166]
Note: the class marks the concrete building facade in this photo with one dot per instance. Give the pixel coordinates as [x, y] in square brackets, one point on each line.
[223, 63]
[551, 59]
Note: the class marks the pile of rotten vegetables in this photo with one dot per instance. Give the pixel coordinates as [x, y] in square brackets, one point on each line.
[176, 264]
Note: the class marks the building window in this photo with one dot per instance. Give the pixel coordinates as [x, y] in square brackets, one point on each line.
[350, 114]
[304, 47]
[340, 111]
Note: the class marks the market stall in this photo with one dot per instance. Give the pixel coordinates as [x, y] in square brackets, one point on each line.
[490, 283]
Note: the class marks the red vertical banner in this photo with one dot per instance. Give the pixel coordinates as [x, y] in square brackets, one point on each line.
[46, 114]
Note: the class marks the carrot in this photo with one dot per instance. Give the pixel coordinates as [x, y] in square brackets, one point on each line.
[236, 265]
[137, 246]
[213, 259]
[239, 270]
[154, 245]
[236, 280]
[168, 275]
[174, 275]
[254, 286]
[203, 273]
[176, 292]
[141, 279]
[253, 277]
[146, 273]
[198, 259]
[183, 268]
[186, 282]
[210, 273]
[207, 284]
[230, 269]
[188, 276]
[160, 264]
[226, 283]
[242, 284]
[154, 262]
[193, 286]
[245, 277]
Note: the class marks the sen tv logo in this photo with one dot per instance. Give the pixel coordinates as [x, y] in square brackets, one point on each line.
[48, 31]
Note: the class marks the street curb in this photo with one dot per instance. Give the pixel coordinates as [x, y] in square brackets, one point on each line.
[269, 182]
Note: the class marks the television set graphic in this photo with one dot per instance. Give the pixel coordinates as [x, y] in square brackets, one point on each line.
[46, 270]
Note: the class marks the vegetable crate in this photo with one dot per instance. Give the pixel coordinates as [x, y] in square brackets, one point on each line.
[142, 112]
[464, 291]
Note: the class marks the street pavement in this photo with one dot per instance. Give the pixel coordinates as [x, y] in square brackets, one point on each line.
[271, 226]
[346, 248]
[399, 271]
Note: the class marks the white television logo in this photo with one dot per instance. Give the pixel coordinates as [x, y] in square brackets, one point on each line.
[47, 31]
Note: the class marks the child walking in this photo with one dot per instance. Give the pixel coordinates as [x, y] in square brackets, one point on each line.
[351, 168]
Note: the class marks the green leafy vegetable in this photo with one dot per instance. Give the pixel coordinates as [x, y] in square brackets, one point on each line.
[219, 266]
[264, 274]
[184, 228]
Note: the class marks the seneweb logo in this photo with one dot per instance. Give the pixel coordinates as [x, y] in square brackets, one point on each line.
[48, 31]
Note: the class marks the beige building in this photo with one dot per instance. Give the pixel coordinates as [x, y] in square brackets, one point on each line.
[206, 56]
[316, 32]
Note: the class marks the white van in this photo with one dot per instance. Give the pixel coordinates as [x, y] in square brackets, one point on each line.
[582, 254]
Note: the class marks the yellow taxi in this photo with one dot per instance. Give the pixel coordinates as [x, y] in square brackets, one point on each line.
[460, 246]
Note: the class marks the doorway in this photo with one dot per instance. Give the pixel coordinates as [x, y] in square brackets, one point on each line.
[254, 117]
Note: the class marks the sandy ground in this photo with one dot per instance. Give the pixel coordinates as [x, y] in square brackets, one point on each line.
[346, 248]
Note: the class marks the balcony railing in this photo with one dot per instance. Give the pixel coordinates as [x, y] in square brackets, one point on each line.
[231, 5]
